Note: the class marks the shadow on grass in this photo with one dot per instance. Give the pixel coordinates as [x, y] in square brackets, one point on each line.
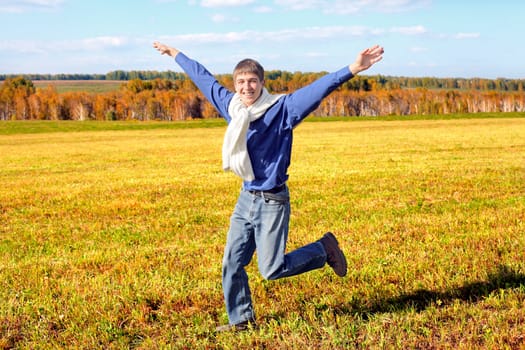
[419, 300]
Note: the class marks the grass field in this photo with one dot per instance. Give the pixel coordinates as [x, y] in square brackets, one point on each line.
[111, 237]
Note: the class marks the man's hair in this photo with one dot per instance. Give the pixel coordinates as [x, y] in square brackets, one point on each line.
[249, 65]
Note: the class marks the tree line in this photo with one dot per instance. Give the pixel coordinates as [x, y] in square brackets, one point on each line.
[178, 99]
[113, 75]
[386, 82]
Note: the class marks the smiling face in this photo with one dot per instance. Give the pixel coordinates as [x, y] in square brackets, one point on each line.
[249, 87]
[248, 78]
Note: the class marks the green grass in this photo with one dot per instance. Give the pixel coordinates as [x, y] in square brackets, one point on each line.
[40, 127]
[111, 236]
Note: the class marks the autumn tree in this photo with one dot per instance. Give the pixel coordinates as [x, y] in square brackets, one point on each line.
[14, 98]
[45, 104]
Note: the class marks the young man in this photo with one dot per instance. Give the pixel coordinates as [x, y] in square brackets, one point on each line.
[257, 147]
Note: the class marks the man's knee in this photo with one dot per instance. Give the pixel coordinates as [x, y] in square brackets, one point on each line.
[269, 273]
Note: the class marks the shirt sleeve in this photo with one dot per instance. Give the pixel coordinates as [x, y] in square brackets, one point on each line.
[305, 100]
[215, 93]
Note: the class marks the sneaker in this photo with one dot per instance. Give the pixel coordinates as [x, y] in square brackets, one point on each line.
[239, 327]
[334, 255]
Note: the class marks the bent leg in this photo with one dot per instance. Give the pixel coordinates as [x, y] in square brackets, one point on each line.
[271, 235]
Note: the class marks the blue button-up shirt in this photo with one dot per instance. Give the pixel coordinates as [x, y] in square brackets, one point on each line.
[269, 138]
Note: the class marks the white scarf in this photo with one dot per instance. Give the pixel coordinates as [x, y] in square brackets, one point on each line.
[235, 155]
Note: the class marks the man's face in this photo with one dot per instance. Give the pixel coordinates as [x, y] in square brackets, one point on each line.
[249, 87]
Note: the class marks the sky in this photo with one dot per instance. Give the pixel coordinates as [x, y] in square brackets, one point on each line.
[421, 38]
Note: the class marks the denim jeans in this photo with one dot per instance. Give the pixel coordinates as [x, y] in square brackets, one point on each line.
[260, 223]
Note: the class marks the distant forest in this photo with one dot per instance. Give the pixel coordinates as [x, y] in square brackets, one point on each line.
[172, 96]
[365, 84]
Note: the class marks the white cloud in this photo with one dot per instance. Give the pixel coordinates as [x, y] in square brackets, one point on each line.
[345, 7]
[221, 18]
[225, 3]
[467, 36]
[205, 38]
[15, 6]
[22, 46]
[102, 42]
[317, 54]
[87, 44]
[309, 33]
[218, 18]
[263, 9]
[413, 30]
[418, 49]
[390, 6]
[298, 5]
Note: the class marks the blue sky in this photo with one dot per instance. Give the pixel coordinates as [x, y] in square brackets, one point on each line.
[438, 38]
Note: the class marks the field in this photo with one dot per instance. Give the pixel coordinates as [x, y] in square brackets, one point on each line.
[95, 86]
[111, 236]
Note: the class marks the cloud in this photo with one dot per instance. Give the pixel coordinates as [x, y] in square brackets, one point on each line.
[218, 18]
[88, 44]
[263, 9]
[299, 5]
[17, 6]
[339, 7]
[317, 54]
[22, 46]
[413, 30]
[102, 42]
[221, 18]
[345, 7]
[418, 49]
[466, 35]
[225, 3]
[309, 33]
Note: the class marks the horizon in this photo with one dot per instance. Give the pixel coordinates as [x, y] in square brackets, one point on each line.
[13, 75]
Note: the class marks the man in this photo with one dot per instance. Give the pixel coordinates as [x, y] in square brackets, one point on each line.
[257, 147]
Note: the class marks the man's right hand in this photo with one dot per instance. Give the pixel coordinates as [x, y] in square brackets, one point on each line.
[165, 50]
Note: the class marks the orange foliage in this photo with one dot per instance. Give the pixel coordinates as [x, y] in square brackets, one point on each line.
[162, 99]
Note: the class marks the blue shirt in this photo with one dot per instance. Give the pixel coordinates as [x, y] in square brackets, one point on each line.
[269, 138]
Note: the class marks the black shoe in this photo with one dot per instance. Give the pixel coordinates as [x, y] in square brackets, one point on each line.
[239, 327]
[334, 255]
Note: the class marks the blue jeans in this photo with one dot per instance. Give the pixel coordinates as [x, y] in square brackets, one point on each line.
[260, 223]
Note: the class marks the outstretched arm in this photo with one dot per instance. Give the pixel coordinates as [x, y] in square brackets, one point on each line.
[366, 59]
[166, 50]
[216, 94]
